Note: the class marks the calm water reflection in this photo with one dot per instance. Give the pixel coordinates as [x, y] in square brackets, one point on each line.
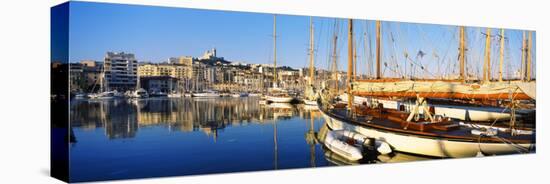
[117, 139]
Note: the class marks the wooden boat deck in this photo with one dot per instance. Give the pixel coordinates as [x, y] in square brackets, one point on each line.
[460, 133]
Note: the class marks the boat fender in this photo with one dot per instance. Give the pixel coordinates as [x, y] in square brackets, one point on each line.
[383, 148]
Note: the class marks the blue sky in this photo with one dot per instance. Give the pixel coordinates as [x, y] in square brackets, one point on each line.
[156, 33]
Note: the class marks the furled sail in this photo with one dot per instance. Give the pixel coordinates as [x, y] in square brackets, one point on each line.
[450, 89]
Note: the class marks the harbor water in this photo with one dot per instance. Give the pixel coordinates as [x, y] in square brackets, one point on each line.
[155, 137]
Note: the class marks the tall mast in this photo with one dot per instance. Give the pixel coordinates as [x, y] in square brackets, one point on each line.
[104, 81]
[354, 60]
[350, 62]
[275, 50]
[334, 59]
[378, 50]
[138, 83]
[367, 59]
[311, 59]
[523, 57]
[462, 56]
[501, 55]
[101, 77]
[529, 57]
[487, 65]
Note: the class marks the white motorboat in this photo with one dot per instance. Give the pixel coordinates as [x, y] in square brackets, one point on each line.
[80, 96]
[158, 94]
[310, 102]
[140, 93]
[208, 94]
[280, 106]
[106, 95]
[93, 95]
[175, 95]
[254, 94]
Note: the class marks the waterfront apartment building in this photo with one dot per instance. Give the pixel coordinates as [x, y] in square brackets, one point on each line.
[184, 60]
[289, 78]
[85, 76]
[164, 84]
[76, 78]
[174, 70]
[248, 80]
[120, 71]
[179, 70]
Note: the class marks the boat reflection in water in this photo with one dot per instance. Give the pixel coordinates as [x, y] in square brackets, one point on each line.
[136, 138]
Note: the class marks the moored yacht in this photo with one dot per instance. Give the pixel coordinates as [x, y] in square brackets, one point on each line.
[254, 94]
[310, 102]
[277, 95]
[140, 93]
[106, 95]
[310, 97]
[439, 139]
[207, 94]
[158, 94]
[420, 131]
[175, 95]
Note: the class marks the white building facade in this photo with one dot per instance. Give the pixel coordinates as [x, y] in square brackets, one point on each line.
[120, 71]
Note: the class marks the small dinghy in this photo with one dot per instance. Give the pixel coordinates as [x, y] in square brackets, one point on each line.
[336, 159]
[350, 145]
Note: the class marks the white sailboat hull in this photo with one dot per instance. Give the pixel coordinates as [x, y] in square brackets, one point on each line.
[436, 147]
[275, 99]
[254, 94]
[175, 95]
[310, 102]
[141, 96]
[205, 95]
